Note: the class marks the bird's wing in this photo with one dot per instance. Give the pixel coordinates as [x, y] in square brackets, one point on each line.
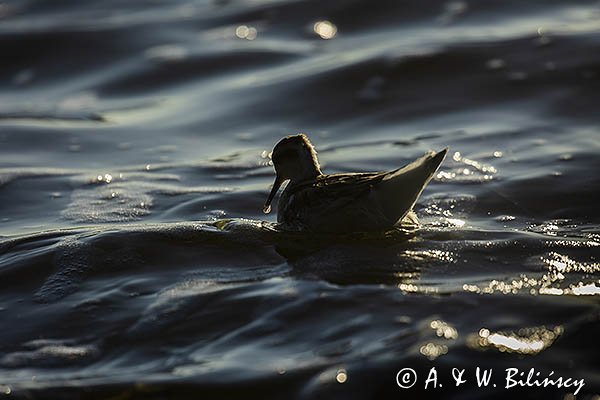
[347, 187]
[343, 198]
[400, 189]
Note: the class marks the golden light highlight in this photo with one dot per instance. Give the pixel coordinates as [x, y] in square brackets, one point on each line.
[341, 376]
[325, 29]
[528, 341]
[246, 32]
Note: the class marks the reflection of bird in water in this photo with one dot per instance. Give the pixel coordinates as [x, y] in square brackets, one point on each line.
[349, 202]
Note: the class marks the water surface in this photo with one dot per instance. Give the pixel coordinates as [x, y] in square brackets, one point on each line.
[136, 262]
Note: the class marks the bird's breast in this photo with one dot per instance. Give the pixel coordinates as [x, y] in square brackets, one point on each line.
[284, 206]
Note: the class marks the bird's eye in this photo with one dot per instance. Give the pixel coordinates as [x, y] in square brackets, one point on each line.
[283, 155]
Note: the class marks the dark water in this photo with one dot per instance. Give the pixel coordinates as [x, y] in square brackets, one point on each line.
[133, 141]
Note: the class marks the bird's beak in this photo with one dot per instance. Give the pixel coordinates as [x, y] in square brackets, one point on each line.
[276, 186]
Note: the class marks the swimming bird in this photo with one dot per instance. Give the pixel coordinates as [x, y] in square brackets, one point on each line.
[347, 202]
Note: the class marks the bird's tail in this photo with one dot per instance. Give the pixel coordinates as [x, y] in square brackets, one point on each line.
[426, 165]
[401, 188]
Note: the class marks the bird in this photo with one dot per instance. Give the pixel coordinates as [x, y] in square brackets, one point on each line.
[344, 202]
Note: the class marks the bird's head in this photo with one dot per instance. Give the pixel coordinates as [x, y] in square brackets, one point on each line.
[294, 159]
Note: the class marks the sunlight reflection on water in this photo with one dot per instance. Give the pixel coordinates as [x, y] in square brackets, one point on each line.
[528, 341]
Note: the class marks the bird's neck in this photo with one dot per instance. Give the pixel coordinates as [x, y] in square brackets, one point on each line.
[309, 170]
[307, 175]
